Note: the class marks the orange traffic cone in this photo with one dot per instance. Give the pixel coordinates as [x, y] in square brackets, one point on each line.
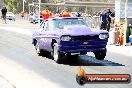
[121, 39]
[81, 71]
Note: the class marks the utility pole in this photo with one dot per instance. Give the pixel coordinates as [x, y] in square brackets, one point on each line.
[23, 5]
[126, 15]
[29, 12]
[64, 5]
[39, 12]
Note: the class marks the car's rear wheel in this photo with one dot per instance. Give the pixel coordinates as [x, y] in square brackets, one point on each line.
[57, 55]
[100, 54]
[38, 50]
[34, 22]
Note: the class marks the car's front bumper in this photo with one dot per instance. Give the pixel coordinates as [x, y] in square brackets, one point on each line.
[34, 20]
[82, 46]
[10, 18]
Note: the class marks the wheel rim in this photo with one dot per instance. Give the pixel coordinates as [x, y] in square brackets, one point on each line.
[56, 53]
[37, 48]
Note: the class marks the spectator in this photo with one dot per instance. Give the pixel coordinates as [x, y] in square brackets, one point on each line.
[109, 18]
[61, 13]
[4, 11]
[22, 14]
[104, 20]
[78, 14]
[65, 13]
[46, 14]
[112, 17]
[73, 14]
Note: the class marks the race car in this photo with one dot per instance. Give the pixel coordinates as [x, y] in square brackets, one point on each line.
[64, 36]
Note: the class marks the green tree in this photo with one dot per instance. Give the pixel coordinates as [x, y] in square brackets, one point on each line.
[15, 5]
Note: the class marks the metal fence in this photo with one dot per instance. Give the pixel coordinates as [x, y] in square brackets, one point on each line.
[93, 22]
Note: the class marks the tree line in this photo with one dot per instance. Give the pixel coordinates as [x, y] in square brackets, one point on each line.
[15, 6]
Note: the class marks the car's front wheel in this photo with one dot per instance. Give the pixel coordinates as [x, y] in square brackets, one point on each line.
[100, 54]
[57, 55]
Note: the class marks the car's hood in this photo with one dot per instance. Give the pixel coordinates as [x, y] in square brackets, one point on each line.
[10, 15]
[77, 30]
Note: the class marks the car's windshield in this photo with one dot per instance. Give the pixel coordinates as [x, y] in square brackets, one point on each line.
[60, 23]
[9, 13]
[35, 15]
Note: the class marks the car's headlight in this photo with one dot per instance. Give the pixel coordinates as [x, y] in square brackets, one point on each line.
[103, 36]
[65, 38]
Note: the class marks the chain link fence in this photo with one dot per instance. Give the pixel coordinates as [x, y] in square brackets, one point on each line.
[93, 22]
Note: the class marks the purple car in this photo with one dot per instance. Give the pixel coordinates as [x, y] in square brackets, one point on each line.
[66, 36]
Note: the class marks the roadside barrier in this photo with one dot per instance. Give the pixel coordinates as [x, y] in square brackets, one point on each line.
[119, 30]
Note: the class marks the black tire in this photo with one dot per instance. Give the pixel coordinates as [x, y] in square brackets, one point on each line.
[100, 54]
[38, 50]
[57, 55]
[31, 20]
[81, 80]
[34, 22]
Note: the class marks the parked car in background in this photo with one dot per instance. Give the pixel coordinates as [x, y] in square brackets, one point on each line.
[10, 16]
[64, 36]
[35, 18]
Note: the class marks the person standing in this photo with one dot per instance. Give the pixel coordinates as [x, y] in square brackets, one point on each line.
[45, 14]
[4, 11]
[22, 14]
[78, 14]
[109, 19]
[103, 20]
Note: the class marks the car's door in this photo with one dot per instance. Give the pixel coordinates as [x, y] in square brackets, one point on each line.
[47, 38]
[39, 35]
